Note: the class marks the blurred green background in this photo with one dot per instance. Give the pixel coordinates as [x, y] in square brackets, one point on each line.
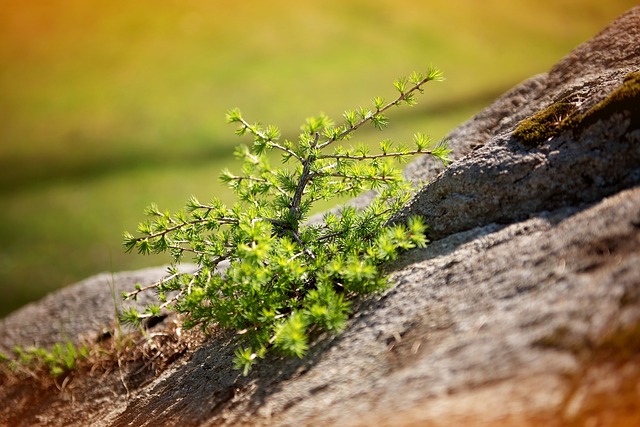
[107, 106]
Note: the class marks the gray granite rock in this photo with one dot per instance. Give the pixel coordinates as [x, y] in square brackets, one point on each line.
[524, 310]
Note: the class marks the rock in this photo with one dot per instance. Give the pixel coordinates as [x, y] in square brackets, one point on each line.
[77, 313]
[505, 180]
[524, 310]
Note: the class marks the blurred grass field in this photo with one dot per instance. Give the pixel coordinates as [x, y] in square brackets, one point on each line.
[107, 106]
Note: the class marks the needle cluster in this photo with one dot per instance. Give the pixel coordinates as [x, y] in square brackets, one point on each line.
[286, 279]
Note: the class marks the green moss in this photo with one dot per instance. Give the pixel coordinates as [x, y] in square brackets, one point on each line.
[562, 115]
[623, 98]
[546, 124]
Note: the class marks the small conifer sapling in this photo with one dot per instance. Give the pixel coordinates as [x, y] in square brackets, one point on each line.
[286, 279]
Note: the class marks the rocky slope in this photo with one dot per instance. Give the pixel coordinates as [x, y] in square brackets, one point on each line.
[525, 309]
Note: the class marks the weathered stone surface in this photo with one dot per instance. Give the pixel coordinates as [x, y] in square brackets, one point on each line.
[503, 180]
[76, 313]
[614, 48]
[525, 309]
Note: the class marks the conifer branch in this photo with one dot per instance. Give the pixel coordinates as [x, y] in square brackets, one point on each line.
[285, 279]
[304, 179]
[134, 294]
[179, 226]
[264, 138]
[404, 96]
[362, 157]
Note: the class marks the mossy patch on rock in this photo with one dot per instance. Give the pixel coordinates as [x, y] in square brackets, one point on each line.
[626, 98]
[546, 124]
[563, 115]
